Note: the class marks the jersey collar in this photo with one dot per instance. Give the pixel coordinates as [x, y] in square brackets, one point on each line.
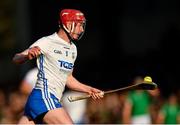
[61, 40]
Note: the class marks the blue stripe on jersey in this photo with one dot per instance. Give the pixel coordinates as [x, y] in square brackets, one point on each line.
[45, 89]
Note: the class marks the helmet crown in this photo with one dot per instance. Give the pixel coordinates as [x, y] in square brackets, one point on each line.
[71, 15]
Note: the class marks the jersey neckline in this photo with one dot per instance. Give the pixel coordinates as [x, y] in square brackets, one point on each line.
[61, 40]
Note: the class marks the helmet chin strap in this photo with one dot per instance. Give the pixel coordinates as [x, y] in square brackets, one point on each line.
[71, 30]
[72, 26]
[68, 31]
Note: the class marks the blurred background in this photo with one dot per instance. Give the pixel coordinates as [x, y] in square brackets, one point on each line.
[123, 39]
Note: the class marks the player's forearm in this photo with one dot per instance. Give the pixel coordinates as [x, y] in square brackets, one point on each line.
[27, 54]
[20, 58]
[80, 87]
[74, 84]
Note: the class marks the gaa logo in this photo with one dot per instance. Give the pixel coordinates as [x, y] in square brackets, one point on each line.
[57, 51]
[65, 64]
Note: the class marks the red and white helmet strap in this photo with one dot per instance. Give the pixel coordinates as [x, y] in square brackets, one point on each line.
[64, 26]
[71, 28]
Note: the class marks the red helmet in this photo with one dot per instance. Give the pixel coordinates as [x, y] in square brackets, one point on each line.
[74, 16]
[70, 15]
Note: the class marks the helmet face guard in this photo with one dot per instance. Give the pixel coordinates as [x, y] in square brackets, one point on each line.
[72, 16]
[83, 26]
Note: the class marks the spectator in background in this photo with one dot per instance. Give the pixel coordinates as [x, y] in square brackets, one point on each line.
[170, 111]
[29, 81]
[2, 104]
[106, 111]
[137, 105]
[13, 110]
[77, 114]
[26, 86]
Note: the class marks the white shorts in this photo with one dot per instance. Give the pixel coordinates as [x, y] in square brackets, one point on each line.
[141, 119]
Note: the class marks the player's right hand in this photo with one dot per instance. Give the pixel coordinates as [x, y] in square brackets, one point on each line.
[34, 52]
[96, 93]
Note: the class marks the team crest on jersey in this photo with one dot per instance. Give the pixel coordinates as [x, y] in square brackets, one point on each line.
[73, 55]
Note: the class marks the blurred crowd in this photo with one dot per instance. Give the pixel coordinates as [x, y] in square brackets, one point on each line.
[131, 107]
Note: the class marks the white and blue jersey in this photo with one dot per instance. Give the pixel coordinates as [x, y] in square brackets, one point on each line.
[54, 64]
